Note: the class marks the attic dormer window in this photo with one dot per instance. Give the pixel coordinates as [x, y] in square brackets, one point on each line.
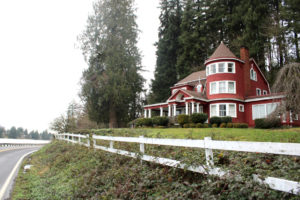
[253, 75]
[221, 67]
[199, 87]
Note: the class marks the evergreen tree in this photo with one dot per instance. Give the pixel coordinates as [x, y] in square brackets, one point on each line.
[2, 132]
[13, 133]
[165, 74]
[112, 83]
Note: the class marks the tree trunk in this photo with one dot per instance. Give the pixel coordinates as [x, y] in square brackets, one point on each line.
[112, 117]
[297, 47]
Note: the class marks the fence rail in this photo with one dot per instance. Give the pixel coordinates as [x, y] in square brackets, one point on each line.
[208, 144]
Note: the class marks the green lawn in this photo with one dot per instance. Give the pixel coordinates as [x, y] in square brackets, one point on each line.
[249, 134]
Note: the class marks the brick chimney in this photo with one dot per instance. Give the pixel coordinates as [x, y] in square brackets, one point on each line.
[244, 54]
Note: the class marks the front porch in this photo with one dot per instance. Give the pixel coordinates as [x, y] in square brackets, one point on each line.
[172, 109]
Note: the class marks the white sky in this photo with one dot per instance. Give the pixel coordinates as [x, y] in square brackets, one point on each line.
[40, 67]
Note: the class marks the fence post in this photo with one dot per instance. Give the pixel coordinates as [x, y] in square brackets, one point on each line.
[142, 146]
[88, 141]
[79, 140]
[111, 144]
[208, 153]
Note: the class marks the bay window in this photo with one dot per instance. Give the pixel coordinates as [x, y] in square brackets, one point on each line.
[223, 110]
[219, 87]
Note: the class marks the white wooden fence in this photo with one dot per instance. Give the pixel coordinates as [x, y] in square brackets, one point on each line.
[208, 144]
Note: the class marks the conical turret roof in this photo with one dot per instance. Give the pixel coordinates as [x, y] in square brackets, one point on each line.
[222, 52]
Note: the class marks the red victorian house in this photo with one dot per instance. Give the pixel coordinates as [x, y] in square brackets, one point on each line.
[230, 86]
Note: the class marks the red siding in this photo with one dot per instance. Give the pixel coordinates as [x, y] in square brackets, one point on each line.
[260, 83]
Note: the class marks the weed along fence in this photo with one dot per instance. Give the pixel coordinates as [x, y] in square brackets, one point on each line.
[208, 144]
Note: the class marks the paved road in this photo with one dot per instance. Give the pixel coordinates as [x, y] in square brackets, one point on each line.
[8, 160]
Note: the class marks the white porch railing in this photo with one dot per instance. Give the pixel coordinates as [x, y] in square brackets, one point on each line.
[208, 144]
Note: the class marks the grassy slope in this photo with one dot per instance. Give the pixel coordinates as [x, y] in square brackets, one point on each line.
[65, 171]
[277, 135]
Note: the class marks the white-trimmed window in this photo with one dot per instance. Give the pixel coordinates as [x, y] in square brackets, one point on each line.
[284, 117]
[241, 108]
[219, 87]
[221, 67]
[199, 88]
[258, 92]
[223, 109]
[296, 117]
[263, 110]
[253, 75]
[265, 92]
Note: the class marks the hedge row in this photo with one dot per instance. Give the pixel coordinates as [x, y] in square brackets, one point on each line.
[222, 125]
[267, 123]
[148, 122]
[194, 118]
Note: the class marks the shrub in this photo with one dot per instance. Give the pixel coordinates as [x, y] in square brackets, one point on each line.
[186, 125]
[223, 125]
[235, 125]
[160, 121]
[147, 122]
[199, 125]
[229, 125]
[259, 123]
[192, 125]
[183, 119]
[267, 123]
[206, 125]
[243, 125]
[198, 117]
[226, 119]
[215, 125]
[139, 122]
[215, 120]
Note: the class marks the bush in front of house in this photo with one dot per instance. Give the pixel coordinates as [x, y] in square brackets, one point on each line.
[199, 125]
[139, 122]
[160, 121]
[183, 119]
[206, 125]
[192, 125]
[215, 120]
[267, 123]
[186, 125]
[223, 125]
[215, 125]
[226, 120]
[198, 118]
[147, 122]
[229, 125]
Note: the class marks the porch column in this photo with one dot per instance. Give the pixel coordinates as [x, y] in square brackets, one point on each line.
[169, 111]
[186, 108]
[145, 113]
[149, 113]
[198, 108]
[161, 111]
[174, 109]
[193, 107]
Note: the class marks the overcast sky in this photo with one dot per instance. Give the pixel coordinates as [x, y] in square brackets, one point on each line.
[40, 67]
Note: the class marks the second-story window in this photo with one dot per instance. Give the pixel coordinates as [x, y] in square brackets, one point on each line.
[221, 67]
[258, 91]
[219, 87]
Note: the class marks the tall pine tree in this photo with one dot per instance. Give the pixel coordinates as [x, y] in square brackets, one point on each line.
[165, 74]
[112, 83]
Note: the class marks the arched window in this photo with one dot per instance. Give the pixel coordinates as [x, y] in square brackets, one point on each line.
[253, 75]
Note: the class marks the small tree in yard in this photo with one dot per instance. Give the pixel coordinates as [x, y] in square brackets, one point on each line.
[288, 81]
